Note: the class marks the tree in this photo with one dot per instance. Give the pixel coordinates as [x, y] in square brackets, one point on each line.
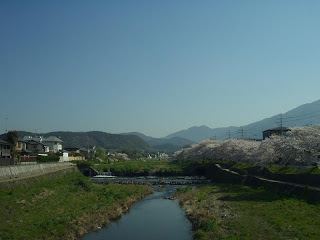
[12, 137]
[300, 146]
[101, 153]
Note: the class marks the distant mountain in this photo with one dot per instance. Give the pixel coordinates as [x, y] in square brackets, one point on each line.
[194, 133]
[168, 145]
[99, 139]
[304, 115]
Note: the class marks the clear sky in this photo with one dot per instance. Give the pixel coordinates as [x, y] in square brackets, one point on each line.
[155, 67]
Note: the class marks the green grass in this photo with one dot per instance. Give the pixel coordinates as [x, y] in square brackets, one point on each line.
[52, 208]
[141, 167]
[278, 169]
[240, 212]
[244, 165]
[293, 170]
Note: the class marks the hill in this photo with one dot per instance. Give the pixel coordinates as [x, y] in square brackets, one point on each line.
[168, 145]
[307, 114]
[98, 139]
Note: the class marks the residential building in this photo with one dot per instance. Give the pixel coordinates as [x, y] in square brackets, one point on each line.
[36, 147]
[21, 146]
[53, 143]
[275, 131]
[5, 150]
[5, 153]
[72, 149]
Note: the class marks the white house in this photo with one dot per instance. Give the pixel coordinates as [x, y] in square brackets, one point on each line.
[53, 143]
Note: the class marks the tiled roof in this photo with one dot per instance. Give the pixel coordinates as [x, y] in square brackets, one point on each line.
[278, 129]
[51, 139]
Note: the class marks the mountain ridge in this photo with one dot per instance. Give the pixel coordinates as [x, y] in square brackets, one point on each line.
[305, 114]
[168, 145]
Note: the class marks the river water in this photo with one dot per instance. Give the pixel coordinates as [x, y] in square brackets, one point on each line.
[155, 217]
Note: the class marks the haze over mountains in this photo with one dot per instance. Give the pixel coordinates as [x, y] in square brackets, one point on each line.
[304, 115]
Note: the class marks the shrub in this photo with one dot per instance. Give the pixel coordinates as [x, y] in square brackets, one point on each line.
[51, 158]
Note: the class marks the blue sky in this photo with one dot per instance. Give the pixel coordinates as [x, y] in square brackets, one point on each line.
[155, 67]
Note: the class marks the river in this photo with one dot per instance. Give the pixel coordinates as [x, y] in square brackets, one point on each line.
[154, 217]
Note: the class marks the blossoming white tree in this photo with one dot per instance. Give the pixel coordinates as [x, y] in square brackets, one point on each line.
[300, 146]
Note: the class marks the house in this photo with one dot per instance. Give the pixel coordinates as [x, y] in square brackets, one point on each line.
[36, 147]
[5, 153]
[21, 146]
[91, 149]
[275, 131]
[53, 143]
[72, 149]
[74, 154]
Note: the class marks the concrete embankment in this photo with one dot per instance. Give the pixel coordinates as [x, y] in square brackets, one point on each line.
[22, 171]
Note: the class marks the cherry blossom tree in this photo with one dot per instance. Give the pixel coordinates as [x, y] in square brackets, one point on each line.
[300, 146]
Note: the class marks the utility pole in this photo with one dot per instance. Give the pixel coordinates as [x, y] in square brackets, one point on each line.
[241, 131]
[6, 118]
[229, 134]
[281, 124]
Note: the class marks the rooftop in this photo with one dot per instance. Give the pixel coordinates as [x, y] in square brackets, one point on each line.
[278, 129]
[51, 139]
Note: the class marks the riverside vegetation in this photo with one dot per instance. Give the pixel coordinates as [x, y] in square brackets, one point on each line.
[142, 168]
[62, 206]
[240, 212]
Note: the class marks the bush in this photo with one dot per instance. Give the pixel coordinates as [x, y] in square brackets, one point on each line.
[51, 158]
[82, 163]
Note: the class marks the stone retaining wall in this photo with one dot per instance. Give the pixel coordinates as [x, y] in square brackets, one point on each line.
[18, 171]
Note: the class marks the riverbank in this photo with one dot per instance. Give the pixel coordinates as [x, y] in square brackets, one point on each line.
[240, 212]
[62, 206]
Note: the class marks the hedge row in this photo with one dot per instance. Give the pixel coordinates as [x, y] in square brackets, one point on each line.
[52, 158]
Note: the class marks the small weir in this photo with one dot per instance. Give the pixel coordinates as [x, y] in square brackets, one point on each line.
[152, 181]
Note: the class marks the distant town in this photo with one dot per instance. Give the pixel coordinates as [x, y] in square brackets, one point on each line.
[38, 149]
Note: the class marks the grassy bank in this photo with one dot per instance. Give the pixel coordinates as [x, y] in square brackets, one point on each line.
[240, 212]
[65, 206]
[141, 168]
